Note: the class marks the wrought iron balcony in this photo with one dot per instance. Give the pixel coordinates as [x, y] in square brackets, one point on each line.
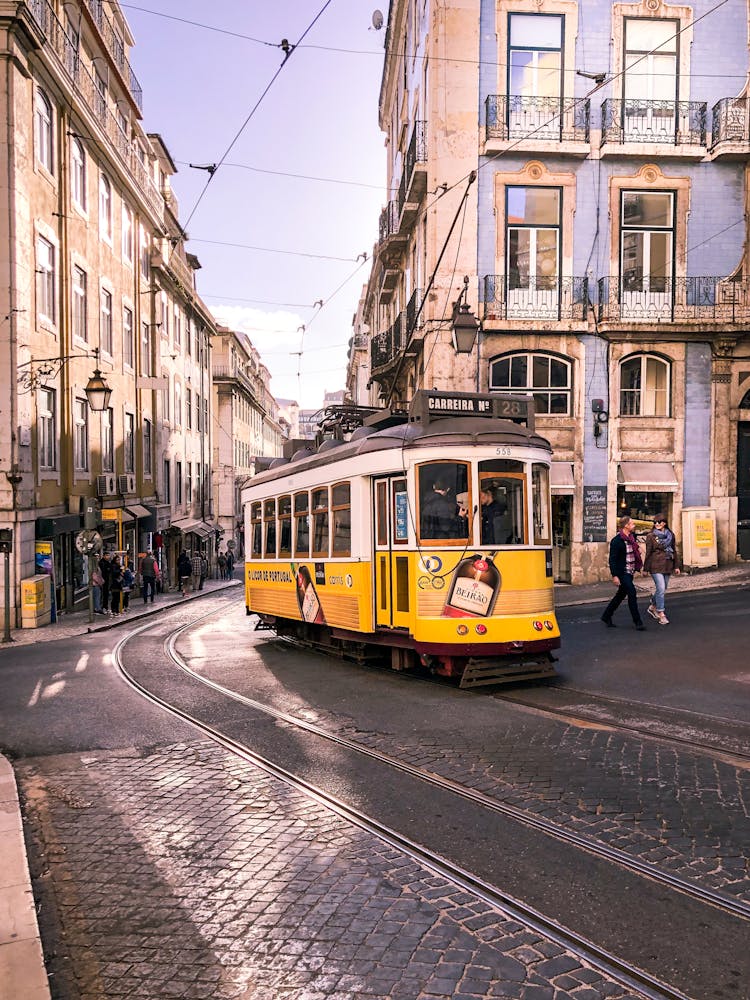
[116, 47]
[387, 347]
[696, 300]
[674, 123]
[549, 118]
[730, 123]
[535, 298]
[388, 223]
[414, 174]
[414, 322]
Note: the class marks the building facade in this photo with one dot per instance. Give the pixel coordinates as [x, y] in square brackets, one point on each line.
[92, 261]
[590, 178]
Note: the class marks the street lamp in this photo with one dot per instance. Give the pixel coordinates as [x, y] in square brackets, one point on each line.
[97, 391]
[465, 323]
[31, 374]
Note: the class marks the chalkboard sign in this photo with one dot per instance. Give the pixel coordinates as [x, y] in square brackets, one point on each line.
[595, 513]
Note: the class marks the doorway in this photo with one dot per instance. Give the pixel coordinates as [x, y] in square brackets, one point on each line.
[562, 507]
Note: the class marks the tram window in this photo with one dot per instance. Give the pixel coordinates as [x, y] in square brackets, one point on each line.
[502, 502]
[269, 520]
[285, 527]
[443, 489]
[301, 524]
[341, 508]
[540, 503]
[257, 530]
[320, 522]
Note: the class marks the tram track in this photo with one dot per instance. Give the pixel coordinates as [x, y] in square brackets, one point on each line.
[625, 973]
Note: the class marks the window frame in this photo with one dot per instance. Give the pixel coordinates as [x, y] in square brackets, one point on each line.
[341, 507]
[284, 514]
[530, 390]
[320, 513]
[256, 529]
[426, 475]
[644, 358]
[106, 321]
[147, 436]
[81, 435]
[108, 440]
[79, 303]
[128, 442]
[535, 281]
[47, 421]
[301, 509]
[105, 208]
[78, 174]
[128, 233]
[46, 285]
[270, 536]
[44, 131]
[128, 337]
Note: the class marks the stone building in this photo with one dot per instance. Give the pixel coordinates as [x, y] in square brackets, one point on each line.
[93, 275]
[590, 177]
[248, 425]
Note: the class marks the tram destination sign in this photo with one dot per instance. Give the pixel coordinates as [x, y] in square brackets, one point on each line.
[431, 405]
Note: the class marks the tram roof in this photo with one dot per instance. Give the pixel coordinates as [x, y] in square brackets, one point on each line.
[459, 432]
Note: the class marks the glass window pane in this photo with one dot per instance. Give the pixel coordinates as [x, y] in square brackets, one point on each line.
[519, 255]
[502, 500]
[541, 504]
[538, 31]
[649, 33]
[518, 372]
[540, 370]
[559, 373]
[647, 208]
[501, 373]
[441, 488]
[533, 206]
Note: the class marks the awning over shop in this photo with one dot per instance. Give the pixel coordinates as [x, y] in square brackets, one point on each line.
[185, 524]
[647, 476]
[138, 510]
[202, 529]
[126, 516]
[561, 478]
[51, 527]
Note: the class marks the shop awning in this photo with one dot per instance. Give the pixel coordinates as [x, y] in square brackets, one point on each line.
[202, 529]
[51, 527]
[648, 476]
[138, 510]
[185, 524]
[126, 516]
[561, 478]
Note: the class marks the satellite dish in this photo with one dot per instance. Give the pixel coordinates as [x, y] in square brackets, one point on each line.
[377, 20]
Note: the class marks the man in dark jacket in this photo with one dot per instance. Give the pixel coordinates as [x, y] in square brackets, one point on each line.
[105, 568]
[148, 576]
[624, 562]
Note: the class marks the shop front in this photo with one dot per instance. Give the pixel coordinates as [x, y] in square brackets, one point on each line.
[645, 489]
[69, 567]
[562, 484]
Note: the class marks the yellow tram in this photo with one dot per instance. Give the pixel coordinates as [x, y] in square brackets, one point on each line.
[426, 536]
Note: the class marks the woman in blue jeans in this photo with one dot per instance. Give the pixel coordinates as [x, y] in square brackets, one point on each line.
[660, 562]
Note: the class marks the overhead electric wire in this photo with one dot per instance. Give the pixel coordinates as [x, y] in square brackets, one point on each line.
[303, 177]
[290, 253]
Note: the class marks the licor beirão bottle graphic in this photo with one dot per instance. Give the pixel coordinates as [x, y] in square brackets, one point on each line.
[474, 588]
[307, 597]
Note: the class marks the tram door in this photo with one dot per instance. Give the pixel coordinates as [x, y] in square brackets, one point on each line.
[392, 590]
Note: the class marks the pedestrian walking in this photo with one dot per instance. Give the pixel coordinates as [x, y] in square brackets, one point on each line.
[624, 562]
[148, 570]
[230, 565]
[222, 566]
[661, 561]
[97, 581]
[128, 579]
[184, 571]
[204, 570]
[115, 585]
[105, 568]
[196, 565]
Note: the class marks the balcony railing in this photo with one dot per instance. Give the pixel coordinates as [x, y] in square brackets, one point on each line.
[520, 117]
[388, 346]
[551, 299]
[675, 123]
[416, 153]
[730, 121]
[414, 322]
[679, 300]
[116, 48]
[87, 89]
[388, 223]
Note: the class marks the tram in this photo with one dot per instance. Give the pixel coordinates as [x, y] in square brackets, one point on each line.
[425, 538]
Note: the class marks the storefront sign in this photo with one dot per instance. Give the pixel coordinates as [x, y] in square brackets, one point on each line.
[595, 513]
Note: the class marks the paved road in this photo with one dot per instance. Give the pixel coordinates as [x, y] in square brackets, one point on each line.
[154, 844]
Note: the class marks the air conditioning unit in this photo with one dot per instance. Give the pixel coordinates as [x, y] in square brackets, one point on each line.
[126, 483]
[106, 485]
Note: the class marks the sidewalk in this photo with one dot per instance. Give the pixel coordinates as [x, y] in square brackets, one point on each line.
[735, 576]
[77, 622]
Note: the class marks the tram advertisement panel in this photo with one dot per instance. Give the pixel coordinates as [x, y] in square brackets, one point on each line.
[336, 594]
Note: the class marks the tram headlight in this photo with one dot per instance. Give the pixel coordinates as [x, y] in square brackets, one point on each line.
[548, 625]
[538, 626]
[481, 629]
[462, 629]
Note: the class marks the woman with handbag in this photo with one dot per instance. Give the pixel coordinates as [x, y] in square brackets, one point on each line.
[660, 562]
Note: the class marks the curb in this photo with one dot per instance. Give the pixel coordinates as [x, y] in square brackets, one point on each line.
[22, 969]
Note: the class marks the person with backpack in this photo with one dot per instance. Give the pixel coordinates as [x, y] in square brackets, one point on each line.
[222, 566]
[184, 572]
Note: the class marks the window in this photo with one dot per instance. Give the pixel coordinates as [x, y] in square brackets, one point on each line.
[647, 241]
[540, 497]
[650, 80]
[78, 173]
[644, 387]
[532, 241]
[47, 429]
[256, 531]
[285, 527]
[148, 467]
[301, 525]
[167, 481]
[164, 315]
[108, 440]
[105, 321]
[128, 338]
[178, 482]
[177, 404]
[44, 131]
[105, 208]
[502, 499]
[129, 453]
[100, 97]
[441, 489]
[269, 522]
[342, 519]
[320, 522]
[145, 254]
[146, 349]
[177, 326]
[81, 435]
[535, 74]
[45, 273]
[543, 376]
[188, 409]
[189, 482]
[80, 301]
[127, 234]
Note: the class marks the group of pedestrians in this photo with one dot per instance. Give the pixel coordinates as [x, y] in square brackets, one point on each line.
[625, 561]
[113, 582]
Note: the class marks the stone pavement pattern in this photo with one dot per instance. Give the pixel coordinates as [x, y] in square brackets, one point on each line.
[188, 873]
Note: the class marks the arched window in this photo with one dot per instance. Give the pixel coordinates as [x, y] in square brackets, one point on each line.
[43, 131]
[78, 172]
[105, 208]
[644, 386]
[745, 401]
[544, 376]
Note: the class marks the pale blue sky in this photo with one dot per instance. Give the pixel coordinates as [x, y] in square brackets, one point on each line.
[320, 119]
